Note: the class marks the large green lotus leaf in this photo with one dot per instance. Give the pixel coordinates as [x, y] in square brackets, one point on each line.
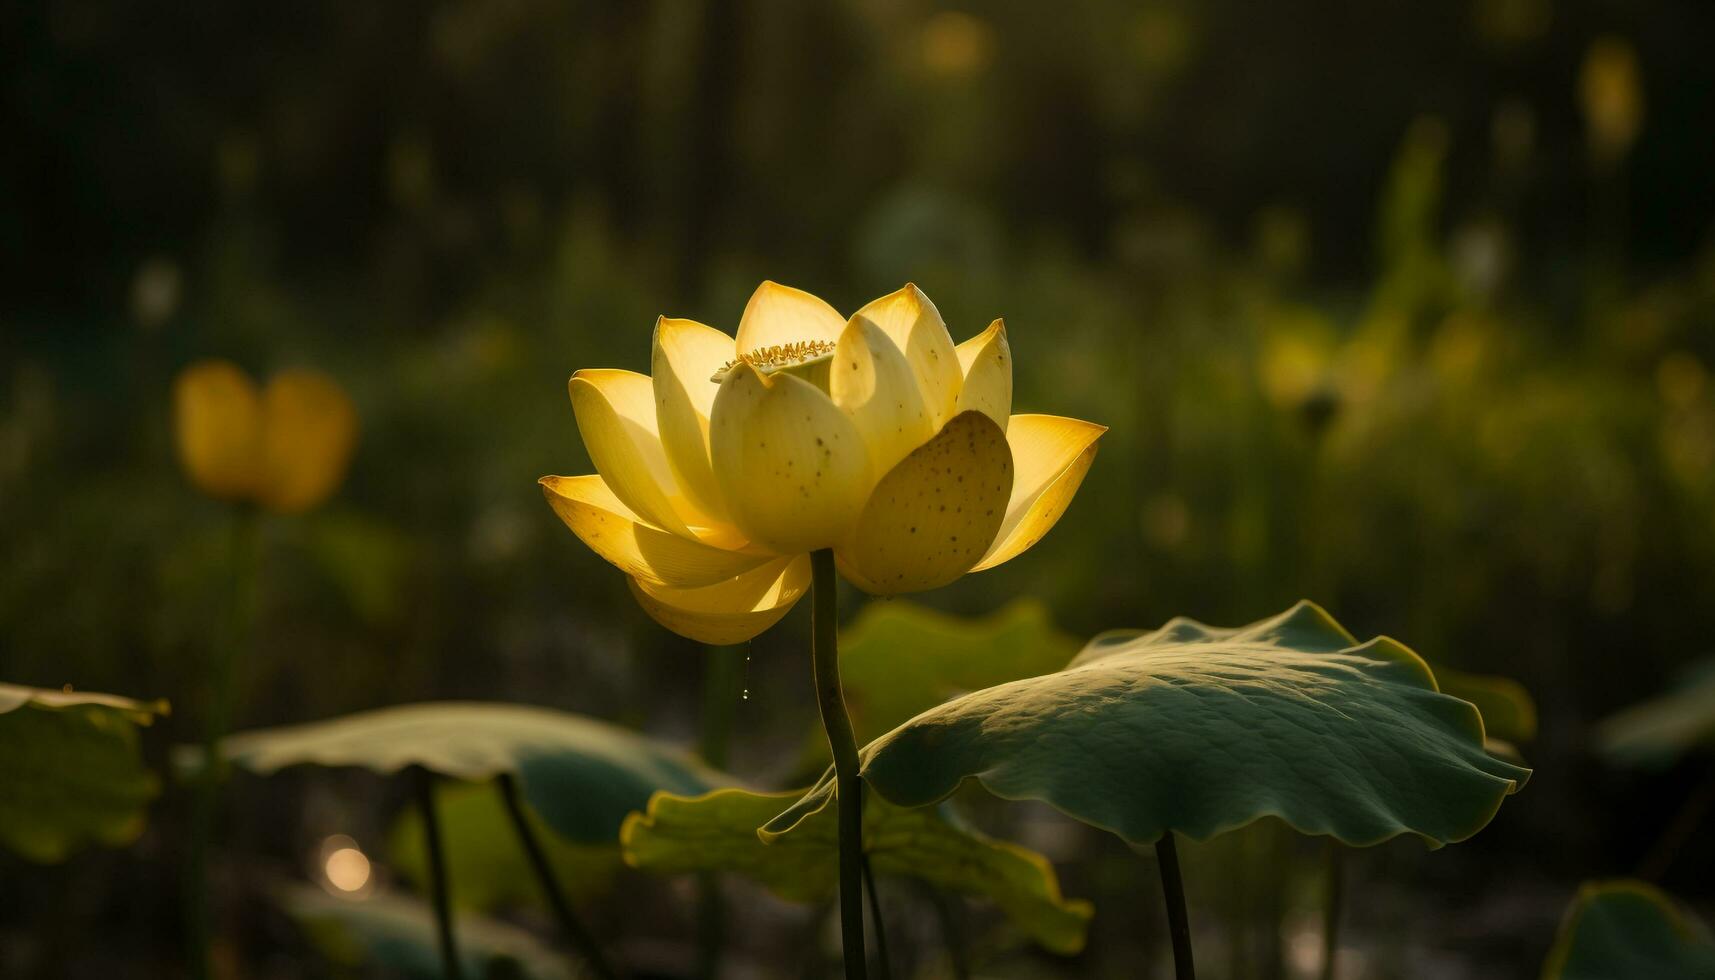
[897, 659]
[1629, 929]
[580, 775]
[1663, 728]
[717, 832]
[1200, 730]
[1509, 713]
[398, 934]
[486, 865]
[72, 770]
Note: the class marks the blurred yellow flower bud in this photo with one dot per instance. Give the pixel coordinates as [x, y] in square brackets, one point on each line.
[285, 448]
[217, 417]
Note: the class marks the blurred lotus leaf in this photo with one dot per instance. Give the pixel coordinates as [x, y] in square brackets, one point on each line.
[897, 658]
[1661, 729]
[72, 770]
[398, 934]
[1199, 731]
[285, 447]
[580, 775]
[1509, 713]
[717, 832]
[486, 865]
[1627, 928]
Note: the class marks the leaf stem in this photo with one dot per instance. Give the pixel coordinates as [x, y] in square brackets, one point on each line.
[243, 559]
[574, 930]
[825, 659]
[886, 969]
[1178, 923]
[1331, 908]
[451, 968]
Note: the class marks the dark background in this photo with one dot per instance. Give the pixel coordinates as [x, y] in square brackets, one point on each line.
[1374, 314]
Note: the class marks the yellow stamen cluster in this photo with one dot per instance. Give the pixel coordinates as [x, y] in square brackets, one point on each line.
[777, 356]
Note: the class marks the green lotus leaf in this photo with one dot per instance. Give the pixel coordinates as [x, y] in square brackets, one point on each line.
[1663, 728]
[486, 865]
[1630, 929]
[1200, 730]
[398, 934]
[717, 832]
[72, 770]
[580, 775]
[897, 658]
[1509, 713]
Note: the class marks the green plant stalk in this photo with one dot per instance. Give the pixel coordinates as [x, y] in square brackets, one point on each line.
[223, 669]
[438, 896]
[1331, 908]
[825, 658]
[1178, 923]
[886, 967]
[574, 930]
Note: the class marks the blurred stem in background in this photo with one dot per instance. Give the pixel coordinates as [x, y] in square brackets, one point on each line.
[580, 938]
[1173, 891]
[244, 558]
[1331, 905]
[723, 674]
[707, 122]
[886, 971]
[825, 657]
[1685, 822]
[438, 894]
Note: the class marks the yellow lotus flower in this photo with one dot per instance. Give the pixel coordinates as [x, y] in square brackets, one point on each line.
[285, 447]
[875, 437]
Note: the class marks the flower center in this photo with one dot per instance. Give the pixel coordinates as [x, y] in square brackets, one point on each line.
[806, 358]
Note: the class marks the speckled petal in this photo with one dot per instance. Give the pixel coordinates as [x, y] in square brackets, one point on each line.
[918, 331]
[1051, 454]
[612, 531]
[732, 611]
[792, 467]
[779, 314]
[986, 361]
[871, 381]
[933, 516]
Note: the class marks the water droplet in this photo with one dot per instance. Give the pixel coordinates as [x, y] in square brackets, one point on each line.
[745, 695]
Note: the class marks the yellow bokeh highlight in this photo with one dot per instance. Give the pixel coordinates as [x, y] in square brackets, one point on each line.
[1611, 94]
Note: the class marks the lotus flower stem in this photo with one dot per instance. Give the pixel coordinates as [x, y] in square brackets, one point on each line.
[1331, 908]
[573, 929]
[1178, 924]
[223, 669]
[886, 970]
[450, 965]
[848, 789]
